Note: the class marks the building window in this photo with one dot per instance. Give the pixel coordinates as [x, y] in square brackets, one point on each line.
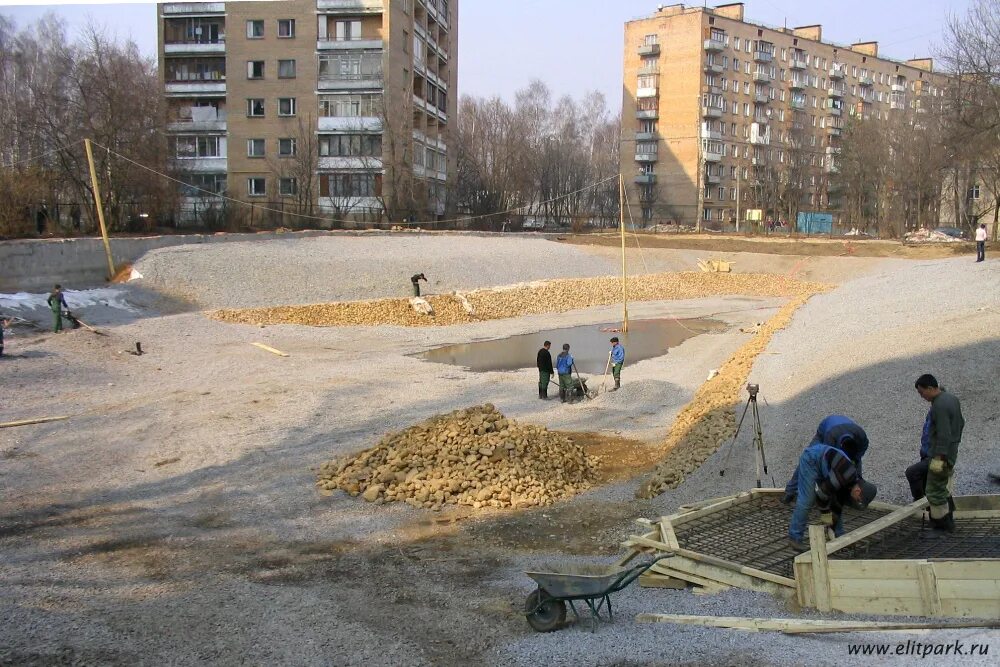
[706, 214]
[288, 187]
[203, 185]
[286, 106]
[256, 187]
[351, 184]
[736, 64]
[286, 147]
[255, 29]
[255, 148]
[286, 28]
[348, 31]
[351, 106]
[974, 191]
[350, 145]
[255, 107]
[255, 69]
[196, 147]
[286, 69]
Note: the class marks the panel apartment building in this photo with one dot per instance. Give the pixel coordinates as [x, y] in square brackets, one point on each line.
[712, 101]
[343, 108]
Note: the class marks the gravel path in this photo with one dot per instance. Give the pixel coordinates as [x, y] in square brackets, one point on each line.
[173, 519]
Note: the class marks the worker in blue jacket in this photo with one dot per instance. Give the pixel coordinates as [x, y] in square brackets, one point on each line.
[564, 366]
[617, 361]
[840, 432]
[828, 479]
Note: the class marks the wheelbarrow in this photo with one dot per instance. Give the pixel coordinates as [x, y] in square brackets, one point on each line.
[545, 607]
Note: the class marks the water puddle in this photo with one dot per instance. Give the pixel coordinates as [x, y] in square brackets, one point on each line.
[589, 345]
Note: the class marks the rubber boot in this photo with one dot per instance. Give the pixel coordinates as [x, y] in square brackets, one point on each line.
[618, 384]
[562, 395]
[541, 394]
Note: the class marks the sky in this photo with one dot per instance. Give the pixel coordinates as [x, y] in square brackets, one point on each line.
[576, 46]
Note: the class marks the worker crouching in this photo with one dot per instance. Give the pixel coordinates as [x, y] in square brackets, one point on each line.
[829, 480]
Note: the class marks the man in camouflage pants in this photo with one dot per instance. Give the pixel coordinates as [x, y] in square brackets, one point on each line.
[946, 424]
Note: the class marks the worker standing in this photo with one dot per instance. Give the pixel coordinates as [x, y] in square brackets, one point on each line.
[564, 365]
[916, 474]
[57, 301]
[3, 325]
[544, 364]
[828, 479]
[836, 431]
[415, 279]
[617, 361]
[981, 243]
[946, 428]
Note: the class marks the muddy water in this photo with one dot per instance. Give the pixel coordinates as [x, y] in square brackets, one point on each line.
[589, 345]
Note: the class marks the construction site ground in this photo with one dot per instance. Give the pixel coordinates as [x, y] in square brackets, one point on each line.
[173, 519]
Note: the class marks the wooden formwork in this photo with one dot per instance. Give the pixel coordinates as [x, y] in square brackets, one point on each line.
[739, 541]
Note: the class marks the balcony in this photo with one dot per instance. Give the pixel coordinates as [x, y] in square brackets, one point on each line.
[761, 98]
[713, 67]
[649, 50]
[646, 136]
[711, 112]
[866, 81]
[835, 111]
[760, 138]
[349, 124]
[835, 131]
[763, 56]
[837, 72]
[647, 114]
[712, 179]
[710, 134]
[645, 157]
[795, 83]
[897, 104]
[349, 6]
[797, 63]
[199, 119]
[760, 76]
[195, 47]
[714, 90]
[832, 150]
[348, 82]
[348, 44]
[644, 179]
[899, 87]
[798, 105]
[713, 155]
[646, 93]
[835, 93]
[714, 45]
[197, 87]
[647, 197]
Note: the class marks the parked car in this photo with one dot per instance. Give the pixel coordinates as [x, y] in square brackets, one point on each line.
[953, 232]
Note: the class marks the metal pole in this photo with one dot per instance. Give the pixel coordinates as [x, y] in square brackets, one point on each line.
[621, 210]
[100, 209]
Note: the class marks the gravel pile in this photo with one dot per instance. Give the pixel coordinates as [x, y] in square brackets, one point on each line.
[474, 457]
[340, 268]
[531, 299]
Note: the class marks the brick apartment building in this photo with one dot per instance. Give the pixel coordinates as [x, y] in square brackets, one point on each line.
[712, 102]
[339, 108]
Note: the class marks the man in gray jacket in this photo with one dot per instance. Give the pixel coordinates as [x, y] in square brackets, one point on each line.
[946, 424]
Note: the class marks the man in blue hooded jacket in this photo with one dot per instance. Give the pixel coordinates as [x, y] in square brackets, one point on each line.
[841, 433]
[564, 366]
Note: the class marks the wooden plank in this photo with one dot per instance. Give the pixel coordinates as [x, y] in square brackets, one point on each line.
[928, 589]
[968, 589]
[804, 581]
[710, 509]
[728, 577]
[820, 573]
[977, 514]
[668, 535]
[970, 608]
[984, 502]
[979, 569]
[270, 349]
[26, 422]
[801, 625]
[767, 492]
[913, 606]
[636, 540]
[875, 526]
[873, 569]
[690, 507]
[735, 567]
[890, 588]
[683, 576]
[653, 580]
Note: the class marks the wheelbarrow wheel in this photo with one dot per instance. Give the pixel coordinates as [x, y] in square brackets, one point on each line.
[544, 612]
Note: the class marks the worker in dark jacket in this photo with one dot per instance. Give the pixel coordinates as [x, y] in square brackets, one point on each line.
[3, 325]
[415, 279]
[916, 474]
[57, 302]
[544, 370]
[564, 365]
[835, 431]
[946, 428]
[830, 480]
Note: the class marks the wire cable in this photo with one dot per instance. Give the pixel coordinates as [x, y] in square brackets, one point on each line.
[40, 155]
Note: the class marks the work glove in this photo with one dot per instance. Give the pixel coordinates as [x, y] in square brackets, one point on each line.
[826, 518]
[936, 467]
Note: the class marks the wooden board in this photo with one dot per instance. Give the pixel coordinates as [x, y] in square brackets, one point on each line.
[800, 625]
[653, 580]
[728, 577]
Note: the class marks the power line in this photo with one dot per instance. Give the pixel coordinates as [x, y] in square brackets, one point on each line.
[40, 155]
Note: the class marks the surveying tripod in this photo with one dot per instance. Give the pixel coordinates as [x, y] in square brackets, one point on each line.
[758, 434]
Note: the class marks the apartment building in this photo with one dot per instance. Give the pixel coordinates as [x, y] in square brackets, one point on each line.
[718, 108]
[337, 108]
